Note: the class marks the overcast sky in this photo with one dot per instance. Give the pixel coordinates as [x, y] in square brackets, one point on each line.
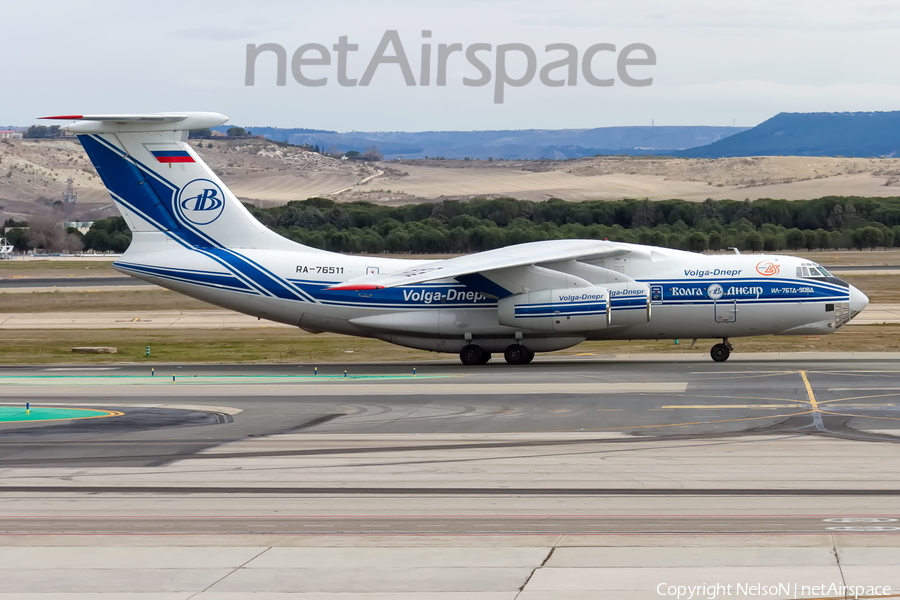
[717, 61]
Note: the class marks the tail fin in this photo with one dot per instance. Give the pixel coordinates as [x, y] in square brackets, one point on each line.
[159, 183]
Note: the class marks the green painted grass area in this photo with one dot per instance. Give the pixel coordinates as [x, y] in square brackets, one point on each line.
[19, 414]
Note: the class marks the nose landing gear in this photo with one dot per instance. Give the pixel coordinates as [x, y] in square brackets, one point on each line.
[721, 352]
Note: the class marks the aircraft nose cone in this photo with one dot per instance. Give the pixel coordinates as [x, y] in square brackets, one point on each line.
[858, 301]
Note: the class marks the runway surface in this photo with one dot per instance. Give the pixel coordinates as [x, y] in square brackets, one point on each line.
[583, 412]
[65, 282]
[611, 466]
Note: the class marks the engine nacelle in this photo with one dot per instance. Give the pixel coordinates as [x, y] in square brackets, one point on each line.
[565, 310]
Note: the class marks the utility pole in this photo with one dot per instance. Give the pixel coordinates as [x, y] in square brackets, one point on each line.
[70, 195]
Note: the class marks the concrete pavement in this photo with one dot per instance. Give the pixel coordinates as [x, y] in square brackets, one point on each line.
[530, 568]
[568, 479]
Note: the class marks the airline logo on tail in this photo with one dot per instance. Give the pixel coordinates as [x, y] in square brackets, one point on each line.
[201, 202]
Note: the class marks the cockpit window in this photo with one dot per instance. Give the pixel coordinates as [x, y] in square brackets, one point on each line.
[812, 270]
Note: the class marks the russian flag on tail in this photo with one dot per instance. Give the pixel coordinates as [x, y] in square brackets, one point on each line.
[169, 153]
[172, 156]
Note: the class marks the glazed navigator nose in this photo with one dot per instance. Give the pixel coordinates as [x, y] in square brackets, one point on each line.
[858, 301]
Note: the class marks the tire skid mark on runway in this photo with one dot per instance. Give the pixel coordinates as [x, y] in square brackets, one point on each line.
[401, 462]
[695, 423]
[859, 398]
[448, 411]
[314, 422]
[719, 439]
[860, 416]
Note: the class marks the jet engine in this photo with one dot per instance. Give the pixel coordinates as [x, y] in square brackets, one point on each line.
[630, 303]
[563, 310]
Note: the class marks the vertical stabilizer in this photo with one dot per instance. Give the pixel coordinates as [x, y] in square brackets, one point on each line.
[159, 183]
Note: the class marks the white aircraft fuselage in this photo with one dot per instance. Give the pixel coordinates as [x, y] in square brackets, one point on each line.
[191, 235]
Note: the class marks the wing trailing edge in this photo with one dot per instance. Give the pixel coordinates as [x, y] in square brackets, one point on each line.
[519, 255]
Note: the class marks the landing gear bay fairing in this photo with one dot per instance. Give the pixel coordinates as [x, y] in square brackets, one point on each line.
[192, 235]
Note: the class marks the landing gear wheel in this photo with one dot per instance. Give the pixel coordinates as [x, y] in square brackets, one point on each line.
[485, 358]
[472, 355]
[720, 352]
[516, 354]
[530, 357]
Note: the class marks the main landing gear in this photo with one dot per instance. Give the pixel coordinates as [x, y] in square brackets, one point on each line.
[721, 352]
[515, 354]
[474, 355]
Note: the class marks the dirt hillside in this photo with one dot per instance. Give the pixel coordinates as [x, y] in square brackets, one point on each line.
[34, 173]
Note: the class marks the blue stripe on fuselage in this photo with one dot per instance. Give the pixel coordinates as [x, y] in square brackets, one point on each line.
[458, 296]
[224, 280]
[527, 311]
[750, 289]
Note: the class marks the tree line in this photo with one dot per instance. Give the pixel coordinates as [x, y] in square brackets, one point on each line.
[42, 131]
[44, 232]
[454, 226]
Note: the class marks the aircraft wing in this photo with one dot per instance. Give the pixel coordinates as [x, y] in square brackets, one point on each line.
[532, 253]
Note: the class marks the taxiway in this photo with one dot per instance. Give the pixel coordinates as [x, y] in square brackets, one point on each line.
[562, 479]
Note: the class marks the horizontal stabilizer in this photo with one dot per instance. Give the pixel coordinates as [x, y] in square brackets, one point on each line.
[140, 122]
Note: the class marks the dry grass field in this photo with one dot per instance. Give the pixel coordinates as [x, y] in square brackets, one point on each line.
[281, 345]
[611, 178]
[102, 300]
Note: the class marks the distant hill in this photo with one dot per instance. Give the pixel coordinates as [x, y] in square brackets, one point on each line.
[509, 144]
[271, 132]
[858, 134]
